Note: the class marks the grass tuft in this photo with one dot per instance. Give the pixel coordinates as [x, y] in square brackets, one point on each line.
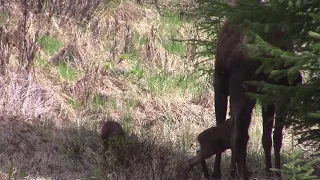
[68, 73]
[51, 44]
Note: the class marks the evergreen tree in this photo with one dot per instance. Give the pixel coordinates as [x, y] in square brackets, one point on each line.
[299, 19]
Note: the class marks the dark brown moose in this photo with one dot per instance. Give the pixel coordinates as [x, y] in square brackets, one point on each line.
[233, 67]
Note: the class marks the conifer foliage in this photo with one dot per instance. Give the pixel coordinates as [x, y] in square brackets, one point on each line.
[297, 19]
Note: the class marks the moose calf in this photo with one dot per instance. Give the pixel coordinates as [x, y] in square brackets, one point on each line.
[212, 141]
[113, 133]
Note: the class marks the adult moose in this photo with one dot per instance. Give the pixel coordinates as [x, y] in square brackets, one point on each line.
[233, 67]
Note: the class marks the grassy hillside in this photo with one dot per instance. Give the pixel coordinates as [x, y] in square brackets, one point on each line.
[66, 66]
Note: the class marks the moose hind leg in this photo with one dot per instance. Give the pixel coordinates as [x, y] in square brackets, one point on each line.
[243, 134]
[268, 119]
[277, 135]
[204, 167]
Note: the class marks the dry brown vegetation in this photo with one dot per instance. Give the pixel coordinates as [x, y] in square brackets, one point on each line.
[65, 66]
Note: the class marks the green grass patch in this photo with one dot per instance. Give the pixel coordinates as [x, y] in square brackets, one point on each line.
[51, 44]
[175, 47]
[67, 73]
[171, 22]
[137, 71]
[164, 83]
[143, 40]
[132, 55]
[130, 105]
[4, 17]
[74, 103]
[139, 39]
[98, 101]
[170, 17]
[41, 62]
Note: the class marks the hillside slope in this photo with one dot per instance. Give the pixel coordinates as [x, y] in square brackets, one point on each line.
[104, 59]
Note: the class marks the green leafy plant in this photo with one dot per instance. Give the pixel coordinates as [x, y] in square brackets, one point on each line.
[295, 169]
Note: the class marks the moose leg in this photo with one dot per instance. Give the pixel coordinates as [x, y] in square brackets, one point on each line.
[277, 135]
[242, 125]
[204, 167]
[241, 110]
[234, 153]
[268, 118]
[199, 158]
[221, 102]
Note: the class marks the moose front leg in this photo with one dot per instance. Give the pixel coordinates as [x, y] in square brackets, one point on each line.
[221, 102]
[241, 110]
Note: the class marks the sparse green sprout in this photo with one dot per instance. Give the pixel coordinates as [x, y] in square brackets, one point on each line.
[74, 102]
[98, 101]
[124, 56]
[108, 65]
[137, 70]
[12, 170]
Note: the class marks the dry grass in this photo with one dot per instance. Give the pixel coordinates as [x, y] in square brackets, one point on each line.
[117, 62]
